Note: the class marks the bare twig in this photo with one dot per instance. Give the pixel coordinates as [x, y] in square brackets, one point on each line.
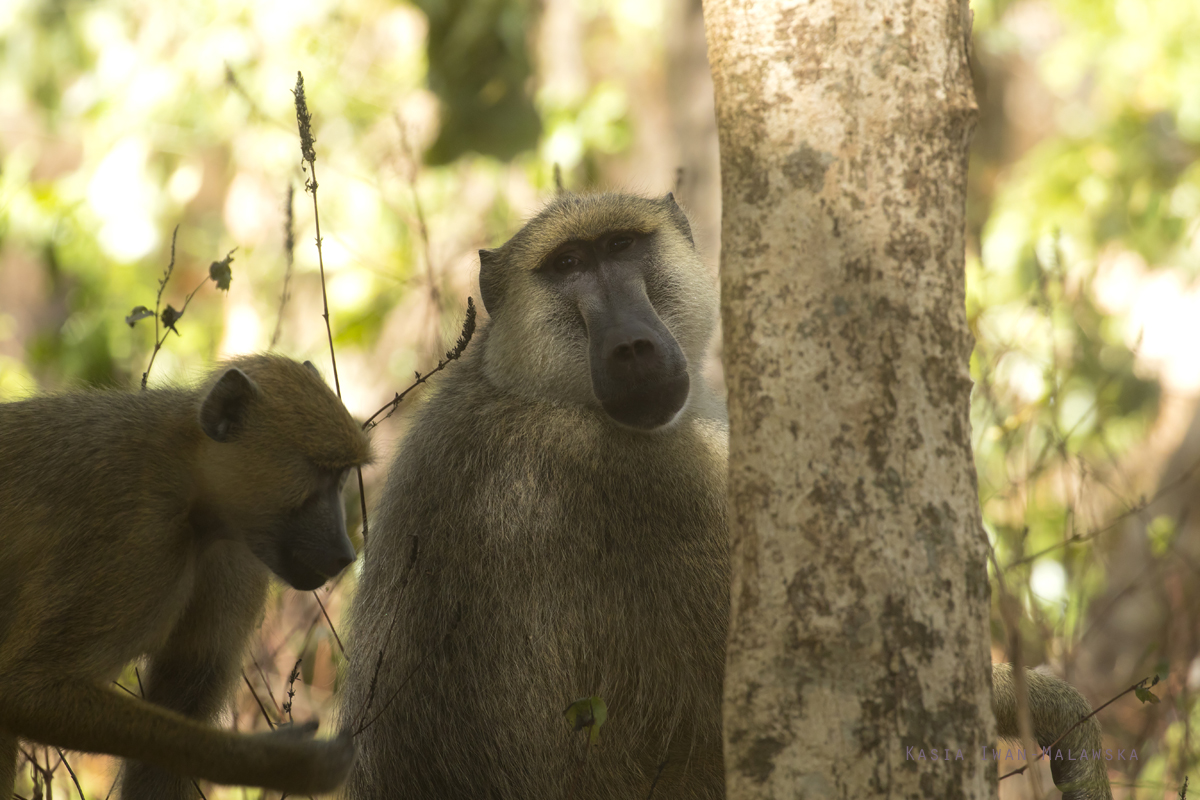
[291, 689]
[464, 338]
[289, 251]
[162, 284]
[657, 774]
[309, 154]
[401, 685]
[261, 707]
[62, 757]
[329, 622]
[266, 683]
[413, 162]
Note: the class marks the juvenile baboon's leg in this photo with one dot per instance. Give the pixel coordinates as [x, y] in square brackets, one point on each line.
[196, 670]
[8, 763]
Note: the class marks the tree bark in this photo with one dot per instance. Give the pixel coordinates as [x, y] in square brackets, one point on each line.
[860, 593]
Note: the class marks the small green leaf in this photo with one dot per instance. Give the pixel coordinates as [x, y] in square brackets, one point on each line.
[170, 316]
[138, 313]
[221, 273]
[590, 713]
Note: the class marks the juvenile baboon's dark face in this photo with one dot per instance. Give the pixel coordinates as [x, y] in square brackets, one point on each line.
[308, 544]
[639, 373]
[274, 480]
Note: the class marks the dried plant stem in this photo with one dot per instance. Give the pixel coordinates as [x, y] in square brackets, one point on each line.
[162, 284]
[412, 162]
[261, 707]
[62, 757]
[309, 153]
[289, 250]
[464, 338]
[1144, 683]
[328, 621]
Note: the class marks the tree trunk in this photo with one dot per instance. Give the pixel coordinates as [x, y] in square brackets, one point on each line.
[860, 593]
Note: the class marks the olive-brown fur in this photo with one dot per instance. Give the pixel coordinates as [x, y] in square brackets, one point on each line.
[125, 530]
[530, 551]
[1054, 708]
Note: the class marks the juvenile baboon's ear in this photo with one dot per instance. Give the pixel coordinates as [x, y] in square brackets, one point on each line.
[678, 217]
[225, 405]
[314, 369]
[491, 290]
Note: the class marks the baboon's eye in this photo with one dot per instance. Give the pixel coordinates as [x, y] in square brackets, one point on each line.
[619, 242]
[565, 262]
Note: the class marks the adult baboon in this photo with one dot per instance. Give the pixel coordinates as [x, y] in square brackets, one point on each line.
[148, 523]
[554, 528]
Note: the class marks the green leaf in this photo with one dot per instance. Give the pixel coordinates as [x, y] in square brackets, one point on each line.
[590, 713]
[221, 273]
[138, 313]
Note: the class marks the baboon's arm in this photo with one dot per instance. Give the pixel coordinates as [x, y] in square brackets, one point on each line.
[1055, 706]
[196, 671]
[78, 715]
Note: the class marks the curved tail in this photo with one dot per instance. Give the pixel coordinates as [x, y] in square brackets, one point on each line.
[1077, 762]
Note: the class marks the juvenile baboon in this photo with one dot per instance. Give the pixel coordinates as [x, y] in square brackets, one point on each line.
[554, 528]
[147, 523]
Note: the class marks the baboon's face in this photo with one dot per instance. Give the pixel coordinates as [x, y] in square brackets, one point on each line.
[306, 544]
[286, 510]
[262, 486]
[600, 301]
[638, 371]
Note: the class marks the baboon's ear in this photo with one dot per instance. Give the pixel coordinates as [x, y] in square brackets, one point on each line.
[678, 217]
[225, 405]
[314, 369]
[491, 287]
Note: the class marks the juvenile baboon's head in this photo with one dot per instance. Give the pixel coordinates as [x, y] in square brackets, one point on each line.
[278, 448]
[600, 300]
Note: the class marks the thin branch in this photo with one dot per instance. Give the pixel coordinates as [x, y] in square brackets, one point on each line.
[309, 153]
[464, 338]
[1142, 684]
[329, 622]
[162, 284]
[266, 683]
[71, 772]
[261, 707]
[289, 250]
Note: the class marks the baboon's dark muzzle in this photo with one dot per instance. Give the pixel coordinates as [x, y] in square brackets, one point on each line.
[639, 373]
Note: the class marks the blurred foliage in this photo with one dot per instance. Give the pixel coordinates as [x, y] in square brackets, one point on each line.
[479, 67]
[121, 119]
[1084, 231]
[1111, 175]
[437, 126]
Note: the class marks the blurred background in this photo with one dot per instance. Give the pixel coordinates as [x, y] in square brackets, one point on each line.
[438, 125]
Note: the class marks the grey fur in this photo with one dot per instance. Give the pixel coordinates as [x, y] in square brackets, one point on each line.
[529, 551]
[1055, 706]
